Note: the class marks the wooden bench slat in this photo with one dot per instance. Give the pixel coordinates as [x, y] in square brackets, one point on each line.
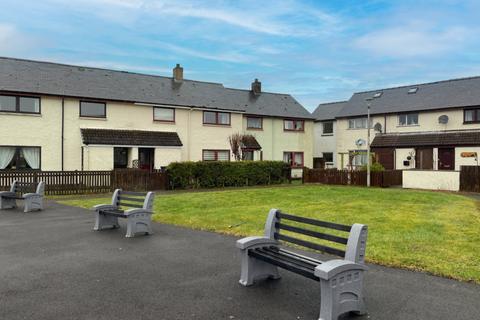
[126, 204]
[312, 233]
[310, 245]
[319, 223]
[299, 256]
[283, 256]
[131, 199]
[133, 193]
[283, 264]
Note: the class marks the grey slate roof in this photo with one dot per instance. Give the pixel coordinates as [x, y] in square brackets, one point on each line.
[328, 111]
[445, 138]
[130, 137]
[430, 96]
[18, 75]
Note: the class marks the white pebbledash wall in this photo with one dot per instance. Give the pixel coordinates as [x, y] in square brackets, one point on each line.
[431, 180]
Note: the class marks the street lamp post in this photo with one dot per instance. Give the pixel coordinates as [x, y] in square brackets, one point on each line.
[368, 140]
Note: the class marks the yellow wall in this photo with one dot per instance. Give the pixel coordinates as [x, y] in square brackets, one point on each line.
[44, 130]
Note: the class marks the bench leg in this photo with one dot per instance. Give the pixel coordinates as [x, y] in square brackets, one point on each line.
[103, 221]
[7, 203]
[254, 269]
[137, 223]
[341, 294]
[33, 204]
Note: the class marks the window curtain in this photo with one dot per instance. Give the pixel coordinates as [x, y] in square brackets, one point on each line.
[6, 156]
[32, 156]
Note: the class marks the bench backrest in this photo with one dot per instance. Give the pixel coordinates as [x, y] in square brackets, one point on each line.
[130, 199]
[355, 238]
[21, 187]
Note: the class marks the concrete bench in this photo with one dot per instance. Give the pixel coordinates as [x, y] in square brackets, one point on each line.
[139, 216]
[32, 194]
[341, 280]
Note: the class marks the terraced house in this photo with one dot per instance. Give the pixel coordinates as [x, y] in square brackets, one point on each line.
[64, 117]
[431, 126]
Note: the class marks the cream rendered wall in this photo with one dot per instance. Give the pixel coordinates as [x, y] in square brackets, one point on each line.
[274, 140]
[431, 180]
[42, 130]
[459, 161]
[428, 121]
[324, 143]
[401, 155]
[98, 158]
[164, 156]
[346, 138]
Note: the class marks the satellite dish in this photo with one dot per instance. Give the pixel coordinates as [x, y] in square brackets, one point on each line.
[360, 142]
[377, 127]
[443, 119]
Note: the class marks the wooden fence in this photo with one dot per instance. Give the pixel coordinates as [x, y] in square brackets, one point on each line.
[470, 178]
[79, 182]
[357, 178]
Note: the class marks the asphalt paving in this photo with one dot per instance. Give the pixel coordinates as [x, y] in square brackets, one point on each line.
[54, 266]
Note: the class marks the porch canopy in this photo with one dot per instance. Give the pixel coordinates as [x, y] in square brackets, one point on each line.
[92, 136]
[433, 139]
[250, 143]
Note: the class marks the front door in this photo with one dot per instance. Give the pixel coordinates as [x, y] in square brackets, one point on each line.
[424, 158]
[446, 158]
[146, 158]
[386, 157]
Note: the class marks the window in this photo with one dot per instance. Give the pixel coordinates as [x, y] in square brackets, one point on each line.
[93, 109]
[378, 94]
[471, 115]
[295, 159]
[412, 90]
[328, 157]
[293, 125]
[327, 128]
[247, 155]
[359, 158]
[216, 155]
[408, 119]
[120, 157]
[19, 104]
[358, 123]
[164, 114]
[18, 158]
[218, 118]
[254, 123]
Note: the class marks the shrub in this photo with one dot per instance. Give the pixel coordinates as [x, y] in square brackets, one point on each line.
[374, 167]
[218, 174]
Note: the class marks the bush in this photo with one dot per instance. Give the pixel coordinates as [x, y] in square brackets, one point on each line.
[218, 174]
[374, 167]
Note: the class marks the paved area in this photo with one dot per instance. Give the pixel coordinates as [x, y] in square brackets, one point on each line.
[53, 266]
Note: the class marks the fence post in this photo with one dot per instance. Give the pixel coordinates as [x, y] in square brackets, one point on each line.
[112, 180]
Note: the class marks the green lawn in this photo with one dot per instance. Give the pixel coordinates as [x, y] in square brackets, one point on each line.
[418, 230]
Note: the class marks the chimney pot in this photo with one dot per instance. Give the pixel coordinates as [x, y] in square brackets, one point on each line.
[256, 87]
[178, 73]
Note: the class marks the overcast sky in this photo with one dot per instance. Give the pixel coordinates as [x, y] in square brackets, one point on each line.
[318, 51]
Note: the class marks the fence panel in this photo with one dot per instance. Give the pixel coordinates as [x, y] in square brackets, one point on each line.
[470, 178]
[356, 178]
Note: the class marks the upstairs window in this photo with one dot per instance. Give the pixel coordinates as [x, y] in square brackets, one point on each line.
[327, 128]
[293, 125]
[295, 159]
[254, 123]
[408, 119]
[216, 155]
[357, 123]
[164, 114]
[217, 118]
[19, 104]
[92, 109]
[471, 115]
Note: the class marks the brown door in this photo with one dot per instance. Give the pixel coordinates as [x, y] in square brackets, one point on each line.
[424, 158]
[386, 157]
[446, 158]
[146, 158]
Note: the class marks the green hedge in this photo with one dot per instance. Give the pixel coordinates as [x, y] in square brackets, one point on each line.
[217, 174]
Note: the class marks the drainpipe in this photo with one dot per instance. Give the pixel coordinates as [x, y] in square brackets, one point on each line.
[63, 130]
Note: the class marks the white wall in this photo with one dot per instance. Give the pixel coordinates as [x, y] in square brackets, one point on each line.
[459, 161]
[431, 180]
[401, 155]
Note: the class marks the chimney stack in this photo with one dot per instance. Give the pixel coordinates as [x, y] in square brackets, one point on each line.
[178, 73]
[256, 87]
